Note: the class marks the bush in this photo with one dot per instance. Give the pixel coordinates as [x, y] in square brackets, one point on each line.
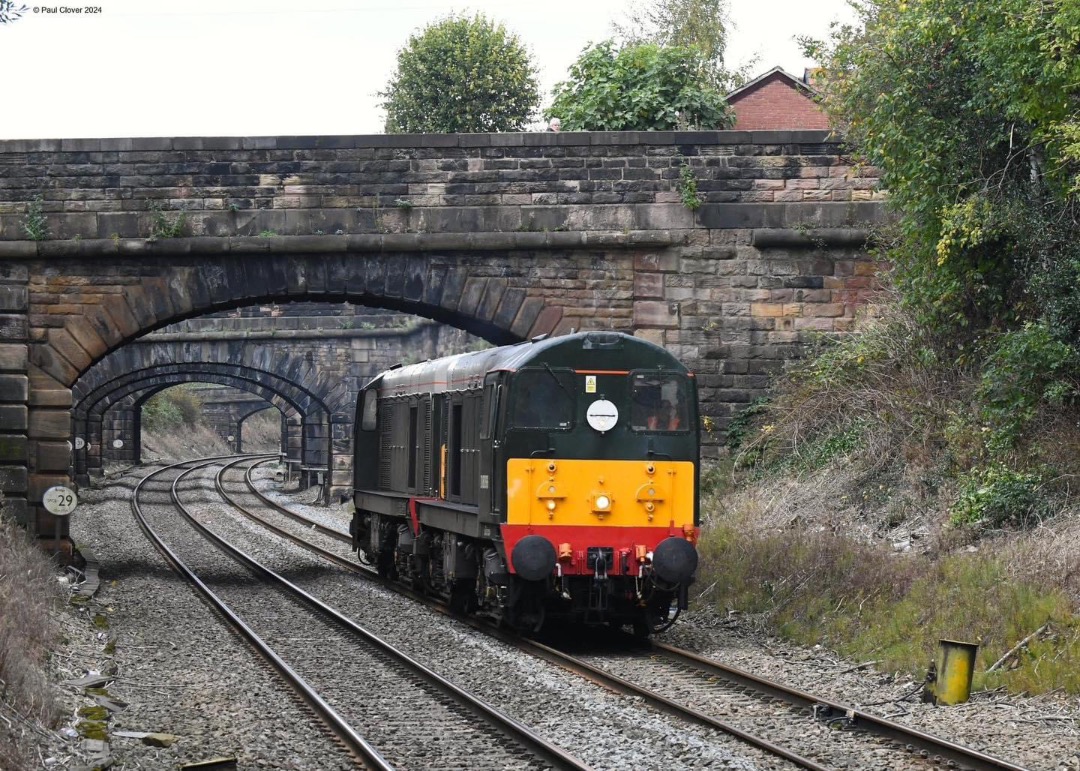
[171, 409]
[997, 496]
[1024, 369]
[642, 87]
[461, 75]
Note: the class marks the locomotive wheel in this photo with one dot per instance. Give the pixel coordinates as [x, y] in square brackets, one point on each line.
[384, 564]
[462, 598]
[526, 611]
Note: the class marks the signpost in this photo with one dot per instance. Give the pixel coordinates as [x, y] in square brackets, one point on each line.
[59, 501]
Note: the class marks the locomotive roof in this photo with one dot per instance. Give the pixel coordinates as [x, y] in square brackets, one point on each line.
[582, 350]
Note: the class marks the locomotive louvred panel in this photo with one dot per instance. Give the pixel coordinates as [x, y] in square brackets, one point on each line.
[470, 448]
[427, 447]
[385, 436]
[399, 468]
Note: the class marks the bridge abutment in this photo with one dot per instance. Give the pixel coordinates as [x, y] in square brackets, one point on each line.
[15, 392]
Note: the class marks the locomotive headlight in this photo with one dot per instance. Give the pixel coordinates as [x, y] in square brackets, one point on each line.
[551, 505]
[603, 503]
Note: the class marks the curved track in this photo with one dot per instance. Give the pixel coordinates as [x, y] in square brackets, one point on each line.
[348, 676]
[710, 693]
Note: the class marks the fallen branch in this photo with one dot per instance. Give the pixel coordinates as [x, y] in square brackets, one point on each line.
[864, 665]
[1017, 647]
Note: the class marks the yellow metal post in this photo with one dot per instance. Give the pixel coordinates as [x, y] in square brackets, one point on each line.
[956, 665]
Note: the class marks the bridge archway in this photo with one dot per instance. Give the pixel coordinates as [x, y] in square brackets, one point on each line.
[123, 421]
[457, 286]
[242, 419]
[308, 420]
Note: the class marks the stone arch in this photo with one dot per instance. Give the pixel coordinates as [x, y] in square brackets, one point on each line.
[241, 420]
[311, 390]
[123, 420]
[500, 304]
[145, 285]
[306, 414]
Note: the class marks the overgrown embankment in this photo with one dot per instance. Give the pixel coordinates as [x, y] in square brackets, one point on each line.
[174, 428]
[28, 591]
[888, 497]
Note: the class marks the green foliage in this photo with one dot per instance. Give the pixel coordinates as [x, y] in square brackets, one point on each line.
[267, 233]
[461, 75]
[164, 226]
[688, 187]
[1024, 369]
[35, 225]
[827, 447]
[997, 495]
[701, 24]
[740, 426]
[640, 87]
[170, 409]
[969, 108]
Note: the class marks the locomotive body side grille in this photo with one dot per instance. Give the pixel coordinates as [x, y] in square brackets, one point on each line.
[385, 442]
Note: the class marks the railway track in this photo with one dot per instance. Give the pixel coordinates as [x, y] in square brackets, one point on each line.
[707, 692]
[410, 716]
[703, 690]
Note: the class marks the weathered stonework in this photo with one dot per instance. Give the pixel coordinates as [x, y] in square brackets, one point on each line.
[504, 235]
[225, 409]
[311, 368]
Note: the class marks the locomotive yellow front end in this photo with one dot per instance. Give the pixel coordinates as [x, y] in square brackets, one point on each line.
[611, 517]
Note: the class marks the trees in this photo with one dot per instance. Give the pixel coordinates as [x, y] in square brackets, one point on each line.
[461, 75]
[701, 24]
[639, 87]
[970, 109]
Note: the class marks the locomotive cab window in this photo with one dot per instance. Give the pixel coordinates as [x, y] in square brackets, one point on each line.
[542, 398]
[368, 416]
[659, 402]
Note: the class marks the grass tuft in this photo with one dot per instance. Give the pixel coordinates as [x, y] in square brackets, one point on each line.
[28, 591]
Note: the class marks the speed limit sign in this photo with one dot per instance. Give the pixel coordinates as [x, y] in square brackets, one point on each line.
[59, 501]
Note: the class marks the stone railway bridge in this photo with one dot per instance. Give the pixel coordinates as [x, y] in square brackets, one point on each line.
[311, 368]
[226, 409]
[503, 235]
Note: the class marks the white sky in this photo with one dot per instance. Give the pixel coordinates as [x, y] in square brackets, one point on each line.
[271, 67]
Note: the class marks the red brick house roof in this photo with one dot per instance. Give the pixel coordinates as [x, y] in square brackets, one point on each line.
[776, 100]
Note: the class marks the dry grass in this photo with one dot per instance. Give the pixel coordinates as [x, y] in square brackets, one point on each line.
[865, 600]
[28, 592]
[183, 443]
[839, 524]
[262, 431]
